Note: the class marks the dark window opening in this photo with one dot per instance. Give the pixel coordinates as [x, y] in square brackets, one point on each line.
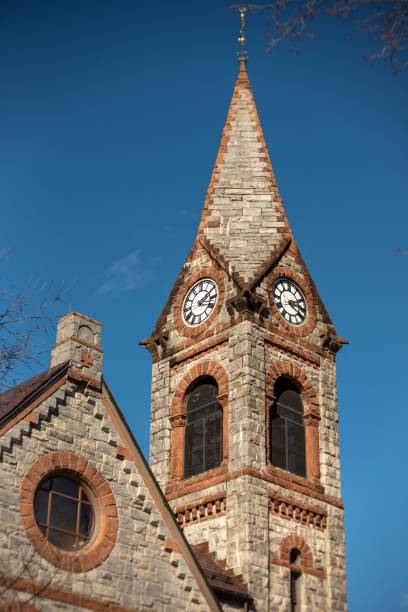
[288, 448]
[203, 436]
[295, 591]
[64, 512]
[295, 556]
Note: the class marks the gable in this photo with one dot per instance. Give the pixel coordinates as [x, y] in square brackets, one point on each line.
[82, 432]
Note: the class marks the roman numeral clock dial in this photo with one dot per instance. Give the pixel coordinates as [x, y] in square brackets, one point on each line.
[200, 302]
[290, 301]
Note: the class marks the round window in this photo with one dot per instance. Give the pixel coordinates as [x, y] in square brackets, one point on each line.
[64, 513]
[68, 511]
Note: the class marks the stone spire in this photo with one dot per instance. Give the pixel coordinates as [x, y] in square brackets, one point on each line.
[243, 217]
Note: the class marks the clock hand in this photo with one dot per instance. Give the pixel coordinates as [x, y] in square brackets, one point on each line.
[293, 303]
[203, 300]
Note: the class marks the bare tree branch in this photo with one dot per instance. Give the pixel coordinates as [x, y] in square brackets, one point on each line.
[25, 318]
[385, 22]
[28, 568]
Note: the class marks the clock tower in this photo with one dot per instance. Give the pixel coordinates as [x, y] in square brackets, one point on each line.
[244, 421]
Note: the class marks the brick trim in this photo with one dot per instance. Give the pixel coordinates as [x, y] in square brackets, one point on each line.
[220, 260]
[33, 418]
[242, 83]
[94, 347]
[291, 481]
[198, 352]
[17, 606]
[295, 541]
[191, 342]
[290, 509]
[171, 546]
[311, 414]
[101, 547]
[179, 488]
[178, 414]
[309, 326]
[79, 377]
[306, 557]
[32, 405]
[298, 569]
[292, 351]
[274, 329]
[274, 476]
[218, 278]
[287, 369]
[158, 497]
[202, 510]
[66, 597]
[270, 261]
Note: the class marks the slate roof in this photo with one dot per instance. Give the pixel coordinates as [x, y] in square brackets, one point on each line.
[224, 582]
[11, 399]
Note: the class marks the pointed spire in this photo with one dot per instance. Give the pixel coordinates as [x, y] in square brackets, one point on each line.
[242, 77]
[243, 215]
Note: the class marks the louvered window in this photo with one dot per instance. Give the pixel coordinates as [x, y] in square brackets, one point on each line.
[203, 437]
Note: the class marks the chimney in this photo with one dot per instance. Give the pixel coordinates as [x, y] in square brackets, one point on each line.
[78, 341]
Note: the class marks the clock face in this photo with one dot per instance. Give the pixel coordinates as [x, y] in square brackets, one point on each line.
[199, 302]
[290, 301]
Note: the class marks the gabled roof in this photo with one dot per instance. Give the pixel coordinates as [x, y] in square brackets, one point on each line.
[10, 400]
[18, 401]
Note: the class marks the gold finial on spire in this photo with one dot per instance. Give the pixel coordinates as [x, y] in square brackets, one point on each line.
[241, 39]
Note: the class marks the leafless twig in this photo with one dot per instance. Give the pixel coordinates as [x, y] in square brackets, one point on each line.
[25, 317]
[385, 22]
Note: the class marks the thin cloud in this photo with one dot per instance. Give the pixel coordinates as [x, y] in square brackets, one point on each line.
[183, 212]
[127, 273]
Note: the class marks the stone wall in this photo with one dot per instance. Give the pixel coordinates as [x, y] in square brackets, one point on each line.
[249, 534]
[139, 573]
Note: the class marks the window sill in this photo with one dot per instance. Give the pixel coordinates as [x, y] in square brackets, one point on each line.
[195, 483]
[286, 477]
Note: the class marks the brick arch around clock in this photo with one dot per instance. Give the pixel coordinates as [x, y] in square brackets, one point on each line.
[201, 371]
[311, 416]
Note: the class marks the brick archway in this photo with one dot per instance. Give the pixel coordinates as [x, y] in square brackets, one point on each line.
[287, 369]
[295, 541]
[178, 413]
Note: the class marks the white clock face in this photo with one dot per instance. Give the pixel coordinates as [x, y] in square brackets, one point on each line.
[199, 302]
[290, 301]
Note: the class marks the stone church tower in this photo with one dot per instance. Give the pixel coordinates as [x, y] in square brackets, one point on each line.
[244, 422]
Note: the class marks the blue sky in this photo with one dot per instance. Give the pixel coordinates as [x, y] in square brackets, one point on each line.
[110, 120]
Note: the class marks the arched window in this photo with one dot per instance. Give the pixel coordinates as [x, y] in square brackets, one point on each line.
[287, 435]
[203, 436]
